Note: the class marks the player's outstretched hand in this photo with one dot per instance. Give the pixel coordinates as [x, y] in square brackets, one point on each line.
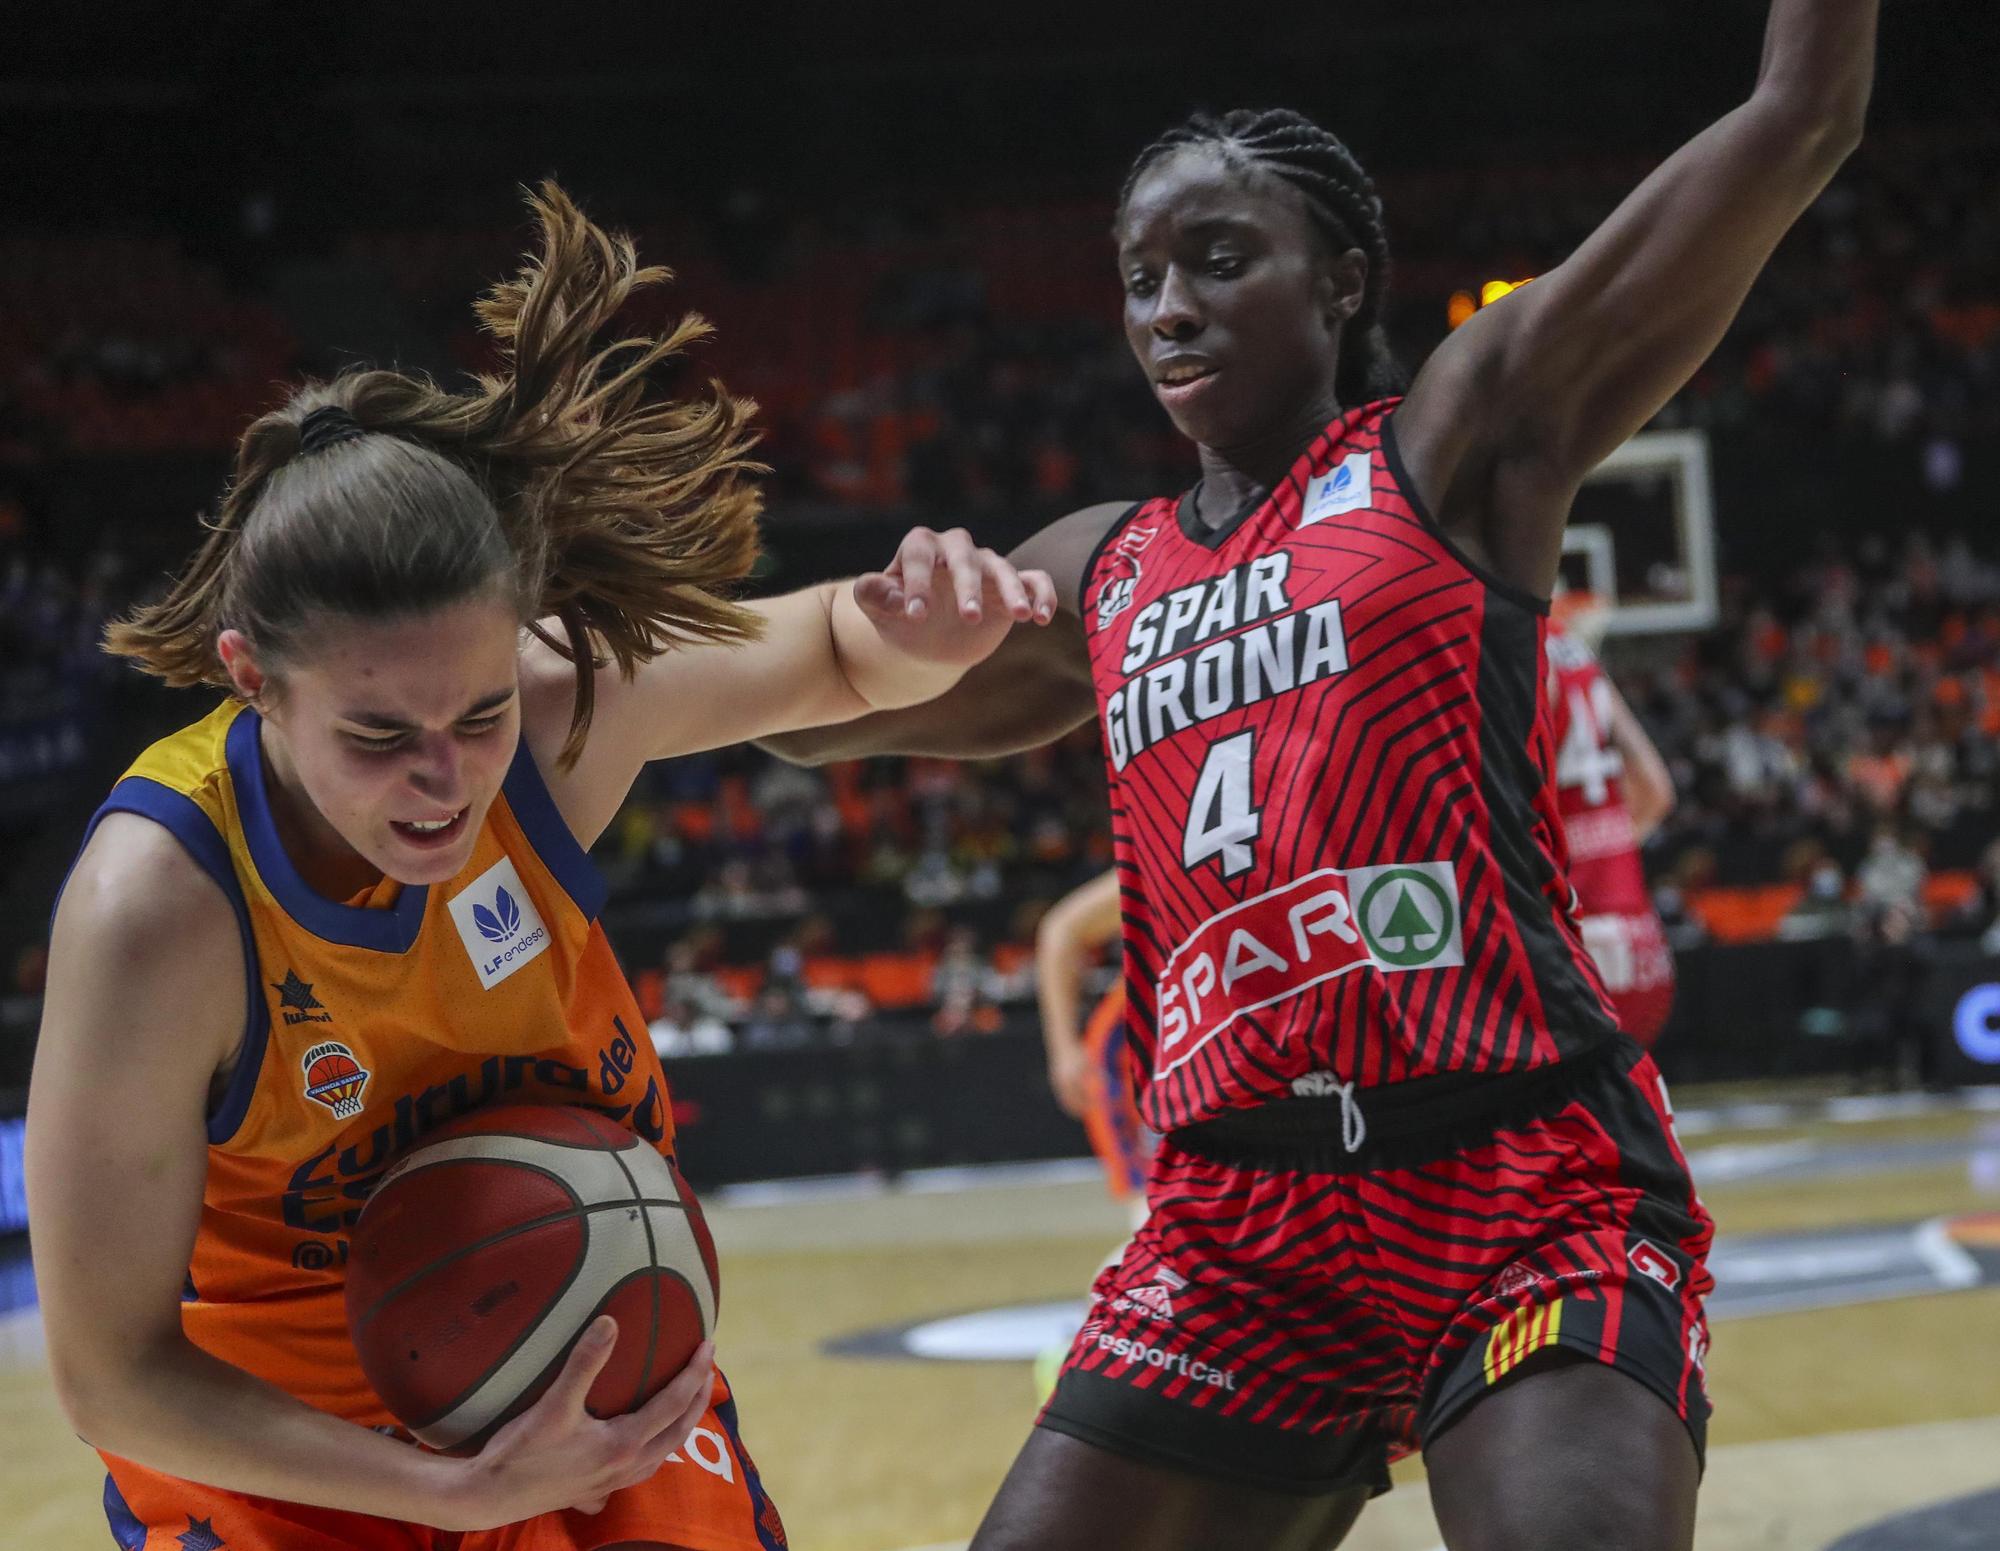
[557, 1455]
[947, 600]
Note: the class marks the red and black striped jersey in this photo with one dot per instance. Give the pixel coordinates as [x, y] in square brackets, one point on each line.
[1332, 794]
[1604, 865]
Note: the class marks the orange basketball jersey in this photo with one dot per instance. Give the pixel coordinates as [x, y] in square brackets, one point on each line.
[371, 1023]
[1117, 1133]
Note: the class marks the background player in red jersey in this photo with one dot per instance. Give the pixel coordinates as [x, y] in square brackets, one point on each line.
[1422, 1194]
[1612, 790]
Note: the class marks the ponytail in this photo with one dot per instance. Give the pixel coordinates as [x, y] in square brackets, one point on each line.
[625, 518]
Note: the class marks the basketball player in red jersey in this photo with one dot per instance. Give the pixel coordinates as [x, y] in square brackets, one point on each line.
[1415, 1190]
[454, 628]
[1612, 791]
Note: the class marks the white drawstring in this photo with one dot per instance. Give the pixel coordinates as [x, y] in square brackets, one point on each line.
[1353, 1124]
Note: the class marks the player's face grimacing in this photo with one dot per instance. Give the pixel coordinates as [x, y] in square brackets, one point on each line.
[397, 732]
[1232, 305]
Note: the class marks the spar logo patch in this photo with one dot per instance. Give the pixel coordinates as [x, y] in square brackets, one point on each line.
[335, 1077]
[1265, 950]
[1409, 916]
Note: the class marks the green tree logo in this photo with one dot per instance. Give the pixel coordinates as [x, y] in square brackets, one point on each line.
[1407, 918]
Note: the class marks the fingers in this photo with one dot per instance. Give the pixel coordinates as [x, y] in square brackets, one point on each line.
[1043, 592]
[642, 1440]
[1010, 585]
[1027, 595]
[970, 570]
[966, 563]
[684, 1398]
[879, 595]
[676, 1432]
[917, 559]
[586, 1360]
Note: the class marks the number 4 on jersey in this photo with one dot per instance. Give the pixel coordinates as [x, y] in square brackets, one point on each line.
[1588, 758]
[1222, 819]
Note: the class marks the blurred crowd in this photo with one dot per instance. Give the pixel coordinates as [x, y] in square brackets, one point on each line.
[51, 618]
[1836, 744]
[52, 672]
[1840, 736]
[801, 905]
[970, 359]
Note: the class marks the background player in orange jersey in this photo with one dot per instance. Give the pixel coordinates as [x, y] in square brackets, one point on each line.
[1612, 790]
[1090, 1060]
[1414, 1189]
[453, 628]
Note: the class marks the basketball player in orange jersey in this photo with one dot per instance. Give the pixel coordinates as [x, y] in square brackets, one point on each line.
[354, 902]
[1612, 791]
[1414, 1189]
[1090, 1066]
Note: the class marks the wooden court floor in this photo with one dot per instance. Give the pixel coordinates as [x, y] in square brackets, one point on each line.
[1826, 1419]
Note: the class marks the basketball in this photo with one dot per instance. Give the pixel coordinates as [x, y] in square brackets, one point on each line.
[485, 1253]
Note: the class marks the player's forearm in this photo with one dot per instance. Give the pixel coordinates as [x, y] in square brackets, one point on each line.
[1033, 689]
[176, 1409]
[1648, 808]
[1648, 784]
[1059, 993]
[1819, 60]
[882, 675]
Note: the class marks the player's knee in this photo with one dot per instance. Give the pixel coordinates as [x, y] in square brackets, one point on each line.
[1600, 1518]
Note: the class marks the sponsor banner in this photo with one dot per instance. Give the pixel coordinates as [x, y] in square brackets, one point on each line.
[1401, 916]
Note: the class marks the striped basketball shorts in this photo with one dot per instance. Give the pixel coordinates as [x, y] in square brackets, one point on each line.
[1296, 1316]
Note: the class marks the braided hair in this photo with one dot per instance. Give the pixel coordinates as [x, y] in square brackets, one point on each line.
[1341, 201]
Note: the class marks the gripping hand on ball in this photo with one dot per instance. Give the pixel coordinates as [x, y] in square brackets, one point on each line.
[557, 1455]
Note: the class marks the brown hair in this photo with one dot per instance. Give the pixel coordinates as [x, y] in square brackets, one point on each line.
[557, 481]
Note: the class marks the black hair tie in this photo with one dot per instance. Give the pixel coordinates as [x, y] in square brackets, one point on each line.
[327, 426]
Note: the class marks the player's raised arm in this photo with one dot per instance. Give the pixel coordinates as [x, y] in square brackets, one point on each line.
[1519, 404]
[1647, 783]
[829, 654]
[1033, 688]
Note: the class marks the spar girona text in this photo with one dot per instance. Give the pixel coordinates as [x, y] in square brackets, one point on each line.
[1284, 649]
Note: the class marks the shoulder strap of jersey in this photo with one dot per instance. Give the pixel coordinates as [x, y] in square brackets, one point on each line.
[189, 823]
[535, 810]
